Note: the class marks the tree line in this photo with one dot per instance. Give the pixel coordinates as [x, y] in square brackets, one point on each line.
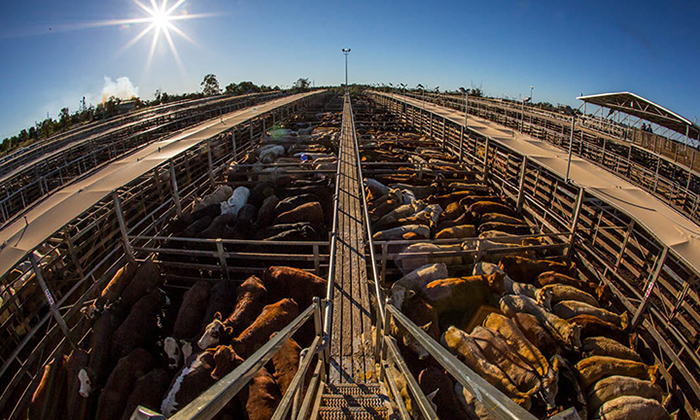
[113, 106]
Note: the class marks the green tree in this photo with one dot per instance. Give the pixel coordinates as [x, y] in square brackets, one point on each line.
[301, 85]
[210, 86]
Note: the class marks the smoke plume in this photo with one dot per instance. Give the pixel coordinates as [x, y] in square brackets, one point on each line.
[122, 88]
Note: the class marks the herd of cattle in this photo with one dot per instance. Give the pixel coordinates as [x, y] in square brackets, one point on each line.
[160, 351]
[527, 322]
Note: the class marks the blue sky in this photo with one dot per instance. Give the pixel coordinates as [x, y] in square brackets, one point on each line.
[561, 48]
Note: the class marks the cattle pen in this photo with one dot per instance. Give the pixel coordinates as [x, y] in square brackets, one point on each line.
[353, 359]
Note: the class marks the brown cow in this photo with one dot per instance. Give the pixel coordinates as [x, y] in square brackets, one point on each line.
[453, 211]
[295, 283]
[290, 203]
[433, 380]
[113, 290]
[309, 212]
[251, 297]
[146, 280]
[47, 400]
[604, 346]
[460, 294]
[501, 218]
[617, 386]
[424, 316]
[552, 277]
[461, 231]
[286, 363]
[178, 347]
[596, 327]
[194, 378]
[512, 229]
[526, 270]
[537, 334]
[478, 208]
[263, 396]
[139, 326]
[100, 363]
[631, 407]
[148, 392]
[267, 211]
[222, 299]
[76, 403]
[273, 318]
[561, 292]
[570, 308]
[121, 383]
[594, 368]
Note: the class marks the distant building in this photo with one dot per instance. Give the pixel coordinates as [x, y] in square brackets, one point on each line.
[126, 106]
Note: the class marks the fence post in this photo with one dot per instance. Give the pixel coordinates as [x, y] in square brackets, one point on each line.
[574, 221]
[650, 287]
[52, 303]
[176, 193]
[521, 185]
[486, 157]
[222, 258]
[210, 164]
[122, 227]
[233, 140]
[628, 234]
[461, 144]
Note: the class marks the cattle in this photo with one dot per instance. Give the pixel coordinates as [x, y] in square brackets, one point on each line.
[273, 318]
[567, 334]
[222, 193]
[452, 211]
[415, 280]
[618, 386]
[290, 203]
[512, 229]
[121, 382]
[197, 227]
[526, 270]
[460, 295]
[461, 231]
[501, 218]
[468, 200]
[303, 233]
[518, 342]
[445, 199]
[470, 404]
[113, 290]
[537, 334]
[274, 230]
[139, 326]
[295, 283]
[245, 225]
[146, 280]
[251, 297]
[465, 219]
[178, 346]
[492, 251]
[421, 313]
[263, 396]
[552, 277]
[76, 404]
[383, 206]
[100, 363]
[434, 381]
[594, 368]
[478, 208]
[220, 227]
[401, 232]
[399, 213]
[286, 363]
[148, 392]
[560, 292]
[631, 407]
[504, 285]
[604, 346]
[464, 186]
[376, 188]
[222, 299]
[420, 192]
[267, 211]
[592, 326]
[420, 254]
[570, 308]
[498, 352]
[193, 378]
[309, 212]
[235, 203]
[47, 401]
[466, 349]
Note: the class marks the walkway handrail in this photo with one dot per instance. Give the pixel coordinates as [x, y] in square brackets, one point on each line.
[368, 230]
[495, 402]
[209, 403]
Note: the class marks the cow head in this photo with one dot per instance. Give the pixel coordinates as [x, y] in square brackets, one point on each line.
[550, 384]
[399, 294]
[413, 344]
[544, 298]
[85, 383]
[213, 333]
[225, 361]
[172, 351]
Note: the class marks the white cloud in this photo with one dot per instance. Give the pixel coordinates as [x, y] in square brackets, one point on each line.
[122, 88]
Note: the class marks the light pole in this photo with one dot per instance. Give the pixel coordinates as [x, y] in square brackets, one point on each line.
[466, 105]
[531, 92]
[346, 51]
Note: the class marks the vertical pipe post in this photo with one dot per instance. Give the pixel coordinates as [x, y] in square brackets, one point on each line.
[210, 164]
[521, 185]
[122, 227]
[574, 221]
[628, 234]
[233, 141]
[52, 303]
[486, 157]
[650, 287]
[176, 193]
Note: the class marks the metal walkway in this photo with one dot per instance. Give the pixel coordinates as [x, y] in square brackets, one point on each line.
[351, 341]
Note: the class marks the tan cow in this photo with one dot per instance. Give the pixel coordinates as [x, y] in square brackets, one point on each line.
[466, 349]
[461, 231]
[565, 333]
[631, 407]
[415, 281]
[618, 386]
[420, 254]
[420, 231]
[461, 294]
[560, 292]
[604, 346]
[570, 308]
[526, 270]
[594, 368]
